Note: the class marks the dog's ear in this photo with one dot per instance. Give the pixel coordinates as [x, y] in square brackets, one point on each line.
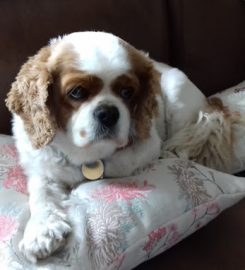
[28, 98]
[146, 105]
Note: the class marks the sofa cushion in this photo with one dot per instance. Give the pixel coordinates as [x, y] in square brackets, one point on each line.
[118, 223]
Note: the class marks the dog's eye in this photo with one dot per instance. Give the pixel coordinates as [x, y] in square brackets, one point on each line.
[126, 93]
[78, 93]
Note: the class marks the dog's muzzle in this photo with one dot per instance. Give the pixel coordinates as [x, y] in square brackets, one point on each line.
[106, 115]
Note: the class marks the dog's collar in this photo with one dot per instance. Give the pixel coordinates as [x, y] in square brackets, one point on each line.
[130, 142]
[95, 170]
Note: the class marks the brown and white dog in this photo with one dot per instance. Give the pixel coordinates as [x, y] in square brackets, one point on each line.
[91, 96]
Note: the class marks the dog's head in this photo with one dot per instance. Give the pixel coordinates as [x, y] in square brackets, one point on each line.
[93, 86]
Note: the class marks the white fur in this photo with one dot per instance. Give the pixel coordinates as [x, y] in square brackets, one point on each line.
[83, 120]
[99, 53]
[182, 121]
[197, 133]
[58, 164]
[183, 99]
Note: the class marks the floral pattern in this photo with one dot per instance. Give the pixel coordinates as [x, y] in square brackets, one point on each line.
[16, 180]
[105, 237]
[108, 224]
[11, 173]
[191, 182]
[165, 237]
[8, 156]
[8, 227]
[123, 191]
[161, 239]
[118, 223]
[153, 238]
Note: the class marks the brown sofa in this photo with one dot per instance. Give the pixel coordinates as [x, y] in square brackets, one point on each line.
[205, 38]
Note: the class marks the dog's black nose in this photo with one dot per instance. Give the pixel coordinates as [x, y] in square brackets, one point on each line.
[107, 115]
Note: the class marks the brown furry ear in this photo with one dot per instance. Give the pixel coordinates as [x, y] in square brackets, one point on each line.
[146, 106]
[28, 98]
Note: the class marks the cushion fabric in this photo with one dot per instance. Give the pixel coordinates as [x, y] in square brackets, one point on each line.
[117, 223]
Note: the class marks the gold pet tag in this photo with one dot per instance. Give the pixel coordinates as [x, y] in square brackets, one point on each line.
[93, 171]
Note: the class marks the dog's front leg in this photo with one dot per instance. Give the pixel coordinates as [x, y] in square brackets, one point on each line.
[47, 227]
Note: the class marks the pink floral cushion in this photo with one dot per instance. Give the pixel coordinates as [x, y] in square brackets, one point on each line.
[117, 223]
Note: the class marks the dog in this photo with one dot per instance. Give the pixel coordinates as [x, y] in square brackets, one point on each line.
[91, 105]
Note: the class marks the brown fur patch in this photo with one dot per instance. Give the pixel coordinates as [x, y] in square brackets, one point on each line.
[83, 133]
[39, 93]
[126, 81]
[63, 106]
[211, 138]
[216, 104]
[65, 60]
[218, 159]
[28, 99]
[66, 76]
[145, 107]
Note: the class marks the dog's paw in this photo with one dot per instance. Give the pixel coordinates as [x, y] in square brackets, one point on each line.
[43, 237]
